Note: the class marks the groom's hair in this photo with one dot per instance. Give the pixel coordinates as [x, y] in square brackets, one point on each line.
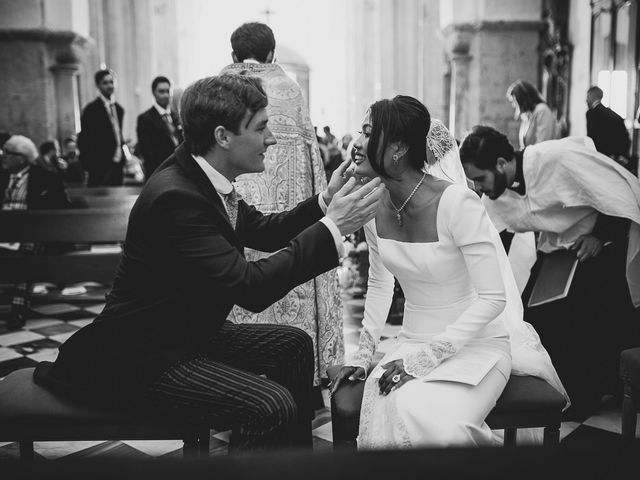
[402, 119]
[218, 101]
[253, 40]
[483, 146]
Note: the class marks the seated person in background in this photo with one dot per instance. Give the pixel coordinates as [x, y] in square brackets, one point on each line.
[49, 158]
[26, 185]
[74, 173]
[578, 199]
[462, 310]
[163, 344]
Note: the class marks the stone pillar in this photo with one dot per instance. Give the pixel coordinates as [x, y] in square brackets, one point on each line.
[67, 98]
[459, 42]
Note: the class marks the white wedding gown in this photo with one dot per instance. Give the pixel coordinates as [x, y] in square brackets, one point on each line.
[452, 331]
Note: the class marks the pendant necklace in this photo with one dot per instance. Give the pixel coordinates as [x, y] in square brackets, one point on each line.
[404, 204]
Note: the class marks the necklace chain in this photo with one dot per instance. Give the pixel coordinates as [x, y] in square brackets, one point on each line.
[404, 204]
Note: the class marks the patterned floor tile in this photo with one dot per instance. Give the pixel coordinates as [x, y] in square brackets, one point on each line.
[63, 337]
[97, 309]
[324, 432]
[54, 309]
[30, 348]
[82, 322]
[57, 329]
[33, 323]
[21, 336]
[48, 355]
[8, 354]
[16, 364]
[155, 448]
[53, 450]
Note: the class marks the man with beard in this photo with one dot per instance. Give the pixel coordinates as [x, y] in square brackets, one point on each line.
[578, 200]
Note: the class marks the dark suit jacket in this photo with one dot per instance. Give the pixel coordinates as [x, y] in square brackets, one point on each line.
[154, 140]
[97, 142]
[45, 189]
[182, 270]
[608, 131]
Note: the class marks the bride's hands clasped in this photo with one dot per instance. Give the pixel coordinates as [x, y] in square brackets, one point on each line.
[394, 376]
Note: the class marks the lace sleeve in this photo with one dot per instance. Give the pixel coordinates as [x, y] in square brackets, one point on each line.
[377, 304]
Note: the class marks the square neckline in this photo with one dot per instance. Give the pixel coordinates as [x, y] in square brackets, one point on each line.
[375, 224]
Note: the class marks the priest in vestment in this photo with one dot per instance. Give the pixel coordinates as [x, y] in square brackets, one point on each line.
[293, 171]
[580, 200]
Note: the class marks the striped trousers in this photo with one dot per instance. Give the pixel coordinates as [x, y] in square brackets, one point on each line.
[255, 380]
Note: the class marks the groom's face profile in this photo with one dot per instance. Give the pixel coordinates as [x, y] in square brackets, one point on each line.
[491, 182]
[247, 147]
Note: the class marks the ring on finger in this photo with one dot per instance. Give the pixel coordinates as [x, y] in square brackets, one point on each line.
[395, 378]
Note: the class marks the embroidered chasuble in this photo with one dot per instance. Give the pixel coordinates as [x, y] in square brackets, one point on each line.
[293, 172]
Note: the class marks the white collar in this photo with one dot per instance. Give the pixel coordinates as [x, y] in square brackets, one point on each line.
[162, 111]
[595, 104]
[250, 60]
[21, 173]
[105, 100]
[222, 185]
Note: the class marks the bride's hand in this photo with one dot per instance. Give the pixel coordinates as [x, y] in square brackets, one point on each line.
[393, 377]
[349, 373]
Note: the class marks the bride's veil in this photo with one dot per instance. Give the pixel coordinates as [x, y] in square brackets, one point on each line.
[529, 357]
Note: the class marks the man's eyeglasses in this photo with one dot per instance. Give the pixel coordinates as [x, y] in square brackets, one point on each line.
[6, 153]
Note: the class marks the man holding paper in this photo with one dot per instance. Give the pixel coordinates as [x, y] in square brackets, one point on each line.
[583, 202]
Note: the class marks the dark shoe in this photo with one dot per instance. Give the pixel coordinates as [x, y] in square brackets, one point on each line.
[16, 321]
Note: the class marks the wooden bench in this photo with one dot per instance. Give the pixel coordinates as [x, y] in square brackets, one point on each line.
[526, 402]
[73, 226]
[103, 191]
[30, 413]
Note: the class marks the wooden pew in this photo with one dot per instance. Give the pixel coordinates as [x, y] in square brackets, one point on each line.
[103, 191]
[74, 226]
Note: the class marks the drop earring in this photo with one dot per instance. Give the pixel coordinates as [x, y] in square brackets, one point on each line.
[395, 158]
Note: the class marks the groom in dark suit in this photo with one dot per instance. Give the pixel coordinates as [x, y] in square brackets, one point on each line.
[163, 342]
[159, 129]
[100, 141]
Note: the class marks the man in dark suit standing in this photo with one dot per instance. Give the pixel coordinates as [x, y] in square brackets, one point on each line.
[163, 342]
[24, 185]
[607, 129]
[159, 130]
[100, 141]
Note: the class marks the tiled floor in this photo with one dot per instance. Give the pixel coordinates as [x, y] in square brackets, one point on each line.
[53, 321]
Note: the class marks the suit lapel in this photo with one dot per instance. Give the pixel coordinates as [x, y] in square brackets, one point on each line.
[159, 122]
[195, 173]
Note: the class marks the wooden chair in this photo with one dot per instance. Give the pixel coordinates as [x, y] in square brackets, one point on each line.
[73, 226]
[526, 402]
[630, 375]
[29, 413]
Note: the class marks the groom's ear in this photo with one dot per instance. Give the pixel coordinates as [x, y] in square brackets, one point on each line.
[222, 137]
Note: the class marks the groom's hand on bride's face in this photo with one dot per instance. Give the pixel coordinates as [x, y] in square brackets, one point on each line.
[338, 178]
[355, 204]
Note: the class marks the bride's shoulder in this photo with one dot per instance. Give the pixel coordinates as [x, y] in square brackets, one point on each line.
[458, 197]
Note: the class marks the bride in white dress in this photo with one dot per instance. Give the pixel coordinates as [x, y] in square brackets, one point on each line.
[462, 333]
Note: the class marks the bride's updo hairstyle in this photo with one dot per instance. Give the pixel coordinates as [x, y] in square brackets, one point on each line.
[402, 119]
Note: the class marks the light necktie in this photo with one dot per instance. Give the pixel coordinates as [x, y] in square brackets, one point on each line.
[231, 201]
[113, 115]
[172, 129]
